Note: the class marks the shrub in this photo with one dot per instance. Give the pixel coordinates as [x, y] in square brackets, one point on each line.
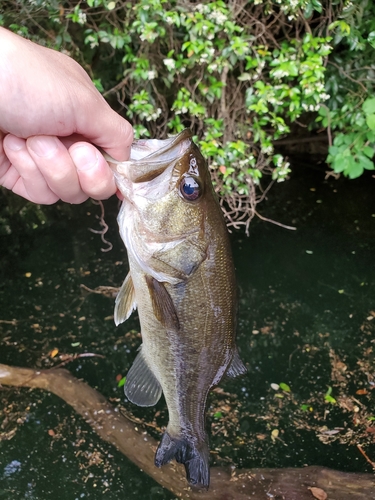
[238, 74]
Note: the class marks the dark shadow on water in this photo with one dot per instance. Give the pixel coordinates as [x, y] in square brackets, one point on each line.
[306, 303]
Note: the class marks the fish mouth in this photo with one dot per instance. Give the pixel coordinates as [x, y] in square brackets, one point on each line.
[150, 157]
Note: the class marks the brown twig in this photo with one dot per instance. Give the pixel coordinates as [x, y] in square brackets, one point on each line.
[107, 291]
[292, 228]
[77, 356]
[105, 227]
[9, 322]
[366, 457]
[349, 77]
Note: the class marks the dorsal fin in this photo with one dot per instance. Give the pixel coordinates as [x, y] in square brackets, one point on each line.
[125, 301]
[142, 387]
[162, 304]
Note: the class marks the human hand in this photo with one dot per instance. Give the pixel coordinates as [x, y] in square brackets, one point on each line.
[50, 114]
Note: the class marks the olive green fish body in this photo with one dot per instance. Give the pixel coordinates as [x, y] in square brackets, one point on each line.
[182, 281]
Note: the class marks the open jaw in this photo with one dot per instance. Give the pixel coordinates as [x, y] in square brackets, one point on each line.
[150, 157]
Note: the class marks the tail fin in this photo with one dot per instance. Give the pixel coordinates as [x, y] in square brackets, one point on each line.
[185, 451]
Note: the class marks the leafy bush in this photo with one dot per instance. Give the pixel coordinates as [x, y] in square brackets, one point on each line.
[238, 74]
[350, 83]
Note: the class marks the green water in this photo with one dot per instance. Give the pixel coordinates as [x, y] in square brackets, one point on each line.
[306, 298]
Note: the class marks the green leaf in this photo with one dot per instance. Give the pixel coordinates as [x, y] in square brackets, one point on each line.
[371, 39]
[330, 399]
[365, 162]
[339, 164]
[308, 11]
[354, 170]
[323, 111]
[333, 150]
[344, 27]
[317, 6]
[290, 67]
[370, 120]
[284, 387]
[218, 414]
[328, 396]
[339, 139]
[121, 382]
[98, 85]
[311, 6]
[368, 151]
[369, 105]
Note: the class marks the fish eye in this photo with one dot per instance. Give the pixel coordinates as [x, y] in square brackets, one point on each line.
[190, 189]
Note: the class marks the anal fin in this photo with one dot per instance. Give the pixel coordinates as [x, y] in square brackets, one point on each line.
[125, 301]
[142, 387]
[237, 367]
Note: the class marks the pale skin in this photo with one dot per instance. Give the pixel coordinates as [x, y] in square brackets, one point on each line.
[51, 115]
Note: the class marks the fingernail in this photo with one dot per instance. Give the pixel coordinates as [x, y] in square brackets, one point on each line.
[84, 157]
[14, 143]
[43, 146]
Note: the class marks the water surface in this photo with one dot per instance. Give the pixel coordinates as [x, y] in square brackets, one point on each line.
[305, 320]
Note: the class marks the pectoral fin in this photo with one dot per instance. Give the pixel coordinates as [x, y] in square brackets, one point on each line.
[142, 387]
[162, 304]
[236, 367]
[125, 301]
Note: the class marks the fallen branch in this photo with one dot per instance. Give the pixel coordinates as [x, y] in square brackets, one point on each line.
[366, 457]
[107, 291]
[243, 484]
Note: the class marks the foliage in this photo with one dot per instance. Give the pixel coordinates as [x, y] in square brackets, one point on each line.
[350, 83]
[238, 74]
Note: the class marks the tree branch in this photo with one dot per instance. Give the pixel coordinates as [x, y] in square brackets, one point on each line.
[243, 484]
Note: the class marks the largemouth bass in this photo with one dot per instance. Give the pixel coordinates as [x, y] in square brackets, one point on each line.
[182, 281]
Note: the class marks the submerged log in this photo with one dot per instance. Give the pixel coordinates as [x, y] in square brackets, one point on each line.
[290, 484]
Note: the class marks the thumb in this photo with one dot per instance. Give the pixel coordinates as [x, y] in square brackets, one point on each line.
[108, 130]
